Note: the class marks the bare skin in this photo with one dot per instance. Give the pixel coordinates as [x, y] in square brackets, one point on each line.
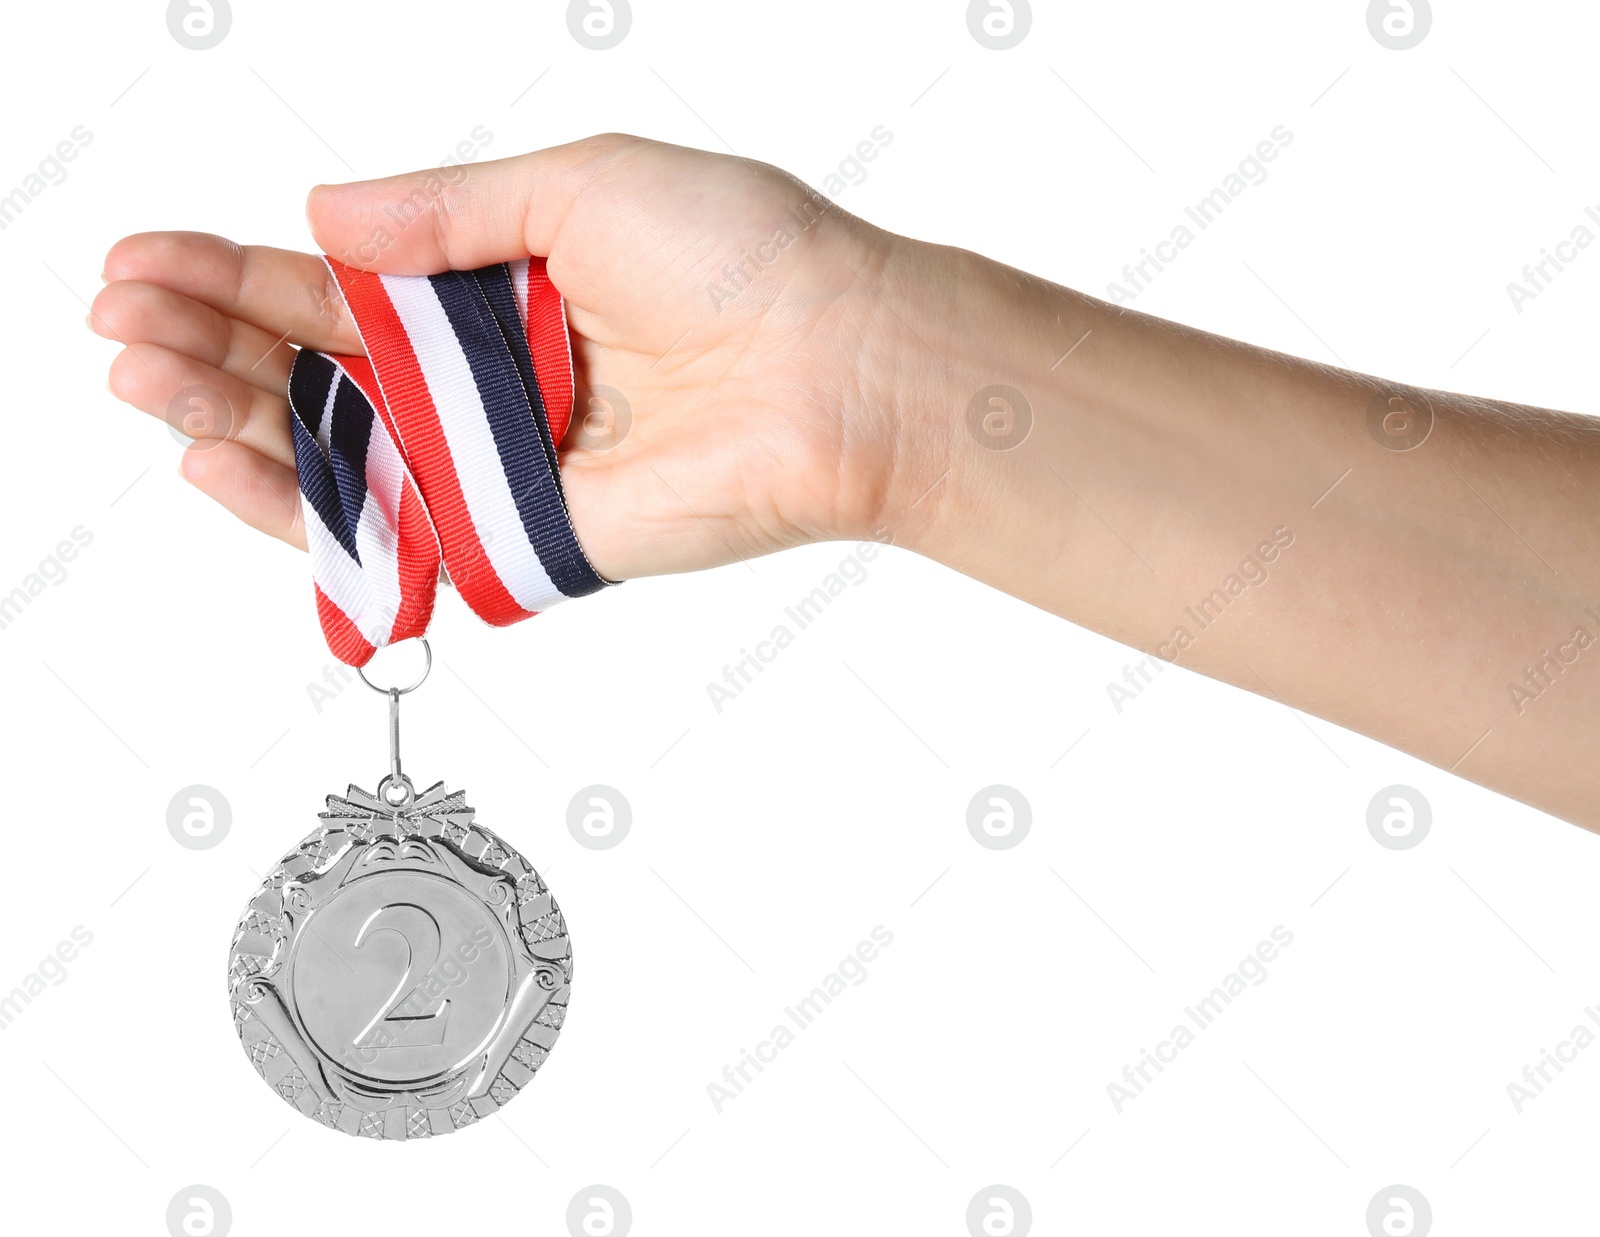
[1416, 566]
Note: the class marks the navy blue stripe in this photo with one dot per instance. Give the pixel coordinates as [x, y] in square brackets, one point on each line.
[495, 284]
[309, 380]
[563, 558]
[521, 437]
[347, 441]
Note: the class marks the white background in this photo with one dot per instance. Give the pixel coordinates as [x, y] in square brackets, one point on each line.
[769, 839]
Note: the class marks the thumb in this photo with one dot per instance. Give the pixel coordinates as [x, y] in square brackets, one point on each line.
[461, 216]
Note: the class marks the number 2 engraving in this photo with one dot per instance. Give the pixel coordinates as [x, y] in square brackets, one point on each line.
[390, 1027]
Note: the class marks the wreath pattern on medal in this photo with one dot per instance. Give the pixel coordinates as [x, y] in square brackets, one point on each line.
[359, 829]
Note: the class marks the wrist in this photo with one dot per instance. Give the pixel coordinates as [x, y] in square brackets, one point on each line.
[978, 366]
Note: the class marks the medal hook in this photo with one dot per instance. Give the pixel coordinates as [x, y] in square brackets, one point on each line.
[396, 789]
[394, 734]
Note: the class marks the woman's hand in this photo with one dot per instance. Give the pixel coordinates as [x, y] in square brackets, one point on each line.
[794, 374]
[720, 323]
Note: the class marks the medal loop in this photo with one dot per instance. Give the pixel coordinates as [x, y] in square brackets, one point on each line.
[396, 789]
[397, 792]
[427, 667]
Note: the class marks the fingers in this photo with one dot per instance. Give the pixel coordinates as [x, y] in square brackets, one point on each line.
[286, 294]
[463, 216]
[143, 313]
[261, 492]
[197, 311]
[166, 384]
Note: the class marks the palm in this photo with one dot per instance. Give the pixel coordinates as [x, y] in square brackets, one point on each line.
[712, 407]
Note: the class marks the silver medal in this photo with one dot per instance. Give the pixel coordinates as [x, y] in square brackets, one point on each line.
[403, 972]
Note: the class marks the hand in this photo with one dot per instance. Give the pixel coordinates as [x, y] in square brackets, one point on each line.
[795, 374]
[719, 296]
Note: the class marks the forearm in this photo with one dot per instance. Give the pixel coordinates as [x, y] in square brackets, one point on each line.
[1246, 515]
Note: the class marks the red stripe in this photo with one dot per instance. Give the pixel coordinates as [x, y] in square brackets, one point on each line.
[418, 566]
[345, 641]
[418, 548]
[551, 347]
[422, 442]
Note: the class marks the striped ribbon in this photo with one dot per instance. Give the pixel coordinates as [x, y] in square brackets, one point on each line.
[437, 446]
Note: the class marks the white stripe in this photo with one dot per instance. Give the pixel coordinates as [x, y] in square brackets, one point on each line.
[519, 289]
[325, 426]
[335, 572]
[378, 535]
[472, 447]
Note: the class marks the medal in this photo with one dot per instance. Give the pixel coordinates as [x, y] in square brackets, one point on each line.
[403, 971]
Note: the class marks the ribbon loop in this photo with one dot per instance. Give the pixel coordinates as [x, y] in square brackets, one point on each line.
[438, 446]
